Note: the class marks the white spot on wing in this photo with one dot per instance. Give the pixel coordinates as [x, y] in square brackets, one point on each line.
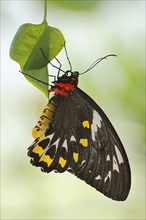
[56, 143]
[96, 123]
[119, 156]
[83, 162]
[50, 136]
[108, 157]
[97, 118]
[107, 176]
[70, 170]
[72, 138]
[115, 164]
[65, 144]
[98, 177]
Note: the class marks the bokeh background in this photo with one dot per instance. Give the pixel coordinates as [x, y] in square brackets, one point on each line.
[92, 29]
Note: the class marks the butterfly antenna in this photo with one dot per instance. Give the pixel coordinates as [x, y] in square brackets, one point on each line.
[38, 80]
[67, 57]
[98, 61]
[59, 68]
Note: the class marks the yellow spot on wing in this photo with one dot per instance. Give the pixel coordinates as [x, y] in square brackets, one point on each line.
[38, 150]
[62, 161]
[75, 156]
[46, 159]
[86, 124]
[84, 142]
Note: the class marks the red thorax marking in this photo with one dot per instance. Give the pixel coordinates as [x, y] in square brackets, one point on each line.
[66, 86]
[62, 88]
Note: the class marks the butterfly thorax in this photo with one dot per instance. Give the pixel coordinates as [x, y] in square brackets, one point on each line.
[65, 84]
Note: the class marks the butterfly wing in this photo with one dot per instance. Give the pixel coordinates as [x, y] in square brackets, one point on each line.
[108, 168]
[59, 147]
[82, 140]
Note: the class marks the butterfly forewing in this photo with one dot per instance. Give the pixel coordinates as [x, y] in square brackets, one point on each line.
[82, 141]
[112, 172]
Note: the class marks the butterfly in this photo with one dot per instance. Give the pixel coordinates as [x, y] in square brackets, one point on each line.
[73, 134]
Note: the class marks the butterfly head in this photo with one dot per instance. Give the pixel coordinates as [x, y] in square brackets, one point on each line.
[65, 83]
[69, 77]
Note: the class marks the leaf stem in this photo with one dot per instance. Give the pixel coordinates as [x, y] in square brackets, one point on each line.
[45, 11]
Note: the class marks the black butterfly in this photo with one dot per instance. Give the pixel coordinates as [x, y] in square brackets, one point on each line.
[74, 134]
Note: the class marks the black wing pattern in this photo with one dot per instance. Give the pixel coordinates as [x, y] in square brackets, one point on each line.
[82, 140]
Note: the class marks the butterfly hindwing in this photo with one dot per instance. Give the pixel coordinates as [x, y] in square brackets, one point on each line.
[64, 137]
[81, 140]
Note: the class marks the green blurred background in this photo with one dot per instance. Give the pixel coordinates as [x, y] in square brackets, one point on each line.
[92, 29]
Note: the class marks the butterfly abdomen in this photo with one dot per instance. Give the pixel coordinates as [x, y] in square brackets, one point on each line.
[45, 119]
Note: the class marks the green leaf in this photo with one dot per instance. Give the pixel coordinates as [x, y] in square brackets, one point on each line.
[27, 46]
[38, 78]
[28, 42]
